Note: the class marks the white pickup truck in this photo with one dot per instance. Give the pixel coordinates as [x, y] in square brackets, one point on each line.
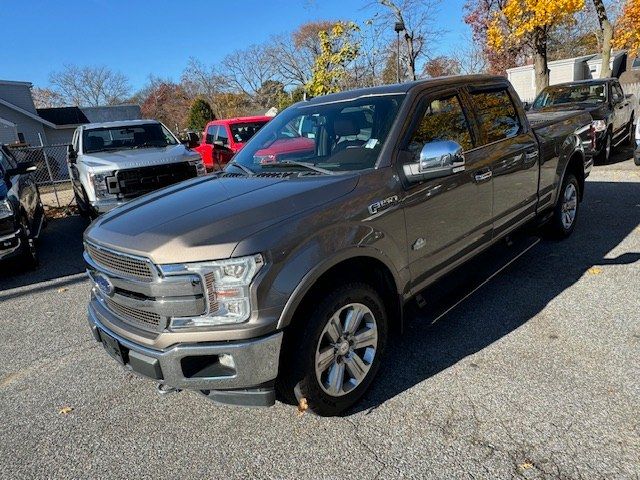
[114, 162]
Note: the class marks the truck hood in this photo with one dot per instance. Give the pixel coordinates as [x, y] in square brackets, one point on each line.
[597, 111]
[142, 157]
[205, 218]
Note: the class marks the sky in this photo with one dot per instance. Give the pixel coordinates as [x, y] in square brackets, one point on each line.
[139, 38]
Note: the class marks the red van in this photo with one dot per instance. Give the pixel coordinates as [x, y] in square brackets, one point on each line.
[221, 139]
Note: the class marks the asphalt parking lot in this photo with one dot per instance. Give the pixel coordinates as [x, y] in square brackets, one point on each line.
[537, 375]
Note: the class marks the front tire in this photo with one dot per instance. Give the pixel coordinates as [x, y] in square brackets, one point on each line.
[334, 353]
[29, 255]
[605, 153]
[565, 213]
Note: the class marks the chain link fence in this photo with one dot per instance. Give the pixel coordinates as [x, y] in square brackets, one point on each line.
[52, 172]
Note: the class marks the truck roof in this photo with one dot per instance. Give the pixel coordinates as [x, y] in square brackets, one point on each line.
[589, 81]
[119, 123]
[229, 121]
[400, 88]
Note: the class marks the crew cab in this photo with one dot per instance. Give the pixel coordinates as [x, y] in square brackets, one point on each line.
[613, 112]
[221, 139]
[111, 163]
[290, 275]
[21, 212]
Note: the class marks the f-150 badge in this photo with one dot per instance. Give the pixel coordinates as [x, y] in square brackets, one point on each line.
[382, 204]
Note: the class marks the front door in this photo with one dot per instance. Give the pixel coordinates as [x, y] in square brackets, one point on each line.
[449, 217]
[513, 150]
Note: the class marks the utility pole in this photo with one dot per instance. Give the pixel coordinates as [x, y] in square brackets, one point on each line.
[398, 27]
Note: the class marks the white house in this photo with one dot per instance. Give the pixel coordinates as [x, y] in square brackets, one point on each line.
[560, 71]
[564, 70]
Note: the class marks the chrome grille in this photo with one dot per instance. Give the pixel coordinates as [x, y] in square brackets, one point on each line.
[120, 263]
[141, 317]
[211, 296]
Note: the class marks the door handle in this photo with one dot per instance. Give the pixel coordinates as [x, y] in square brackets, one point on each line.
[483, 176]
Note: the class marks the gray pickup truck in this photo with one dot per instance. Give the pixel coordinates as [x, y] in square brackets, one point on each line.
[288, 276]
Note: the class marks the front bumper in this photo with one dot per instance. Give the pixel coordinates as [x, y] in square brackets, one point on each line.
[9, 245]
[240, 373]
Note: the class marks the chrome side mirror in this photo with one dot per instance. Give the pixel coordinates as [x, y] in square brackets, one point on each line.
[439, 158]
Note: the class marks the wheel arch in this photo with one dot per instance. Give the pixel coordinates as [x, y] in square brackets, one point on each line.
[368, 266]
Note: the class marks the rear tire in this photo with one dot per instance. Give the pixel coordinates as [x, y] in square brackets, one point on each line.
[332, 354]
[565, 213]
[631, 134]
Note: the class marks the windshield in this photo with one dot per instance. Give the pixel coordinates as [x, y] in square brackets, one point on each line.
[242, 132]
[562, 94]
[127, 137]
[336, 136]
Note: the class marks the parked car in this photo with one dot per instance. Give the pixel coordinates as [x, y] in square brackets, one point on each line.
[613, 112]
[291, 275]
[222, 139]
[21, 211]
[114, 162]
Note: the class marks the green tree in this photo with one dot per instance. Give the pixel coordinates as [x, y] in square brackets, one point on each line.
[199, 114]
[337, 51]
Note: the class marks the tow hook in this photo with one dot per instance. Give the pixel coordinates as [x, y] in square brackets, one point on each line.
[166, 389]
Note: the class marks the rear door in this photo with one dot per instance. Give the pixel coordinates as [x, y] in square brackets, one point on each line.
[449, 217]
[508, 141]
[621, 114]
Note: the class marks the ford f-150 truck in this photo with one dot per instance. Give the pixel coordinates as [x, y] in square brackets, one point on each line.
[111, 163]
[290, 275]
[613, 112]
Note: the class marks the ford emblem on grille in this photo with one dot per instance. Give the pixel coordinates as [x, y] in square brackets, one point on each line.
[104, 284]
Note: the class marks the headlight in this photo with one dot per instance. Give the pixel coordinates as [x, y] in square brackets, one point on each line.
[6, 210]
[99, 181]
[227, 283]
[199, 164]
[599, 125]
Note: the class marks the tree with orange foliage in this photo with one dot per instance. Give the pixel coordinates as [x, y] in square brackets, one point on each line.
[531, 21]
[628, 28]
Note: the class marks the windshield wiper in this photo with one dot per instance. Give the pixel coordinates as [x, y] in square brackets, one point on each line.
[310, 166]
[246, 170]
[149, 145]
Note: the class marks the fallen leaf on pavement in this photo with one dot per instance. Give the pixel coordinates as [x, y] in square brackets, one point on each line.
[594, 271]
[302, 406]
[525, 466]
[65, 410]
[63, 289]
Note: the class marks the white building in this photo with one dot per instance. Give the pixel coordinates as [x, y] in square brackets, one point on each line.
[564, 70]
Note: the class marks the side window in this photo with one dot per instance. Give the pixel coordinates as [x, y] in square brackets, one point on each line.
[211, 134]
[497, 115]
[223, 136]
[617, 91]
[443, 119]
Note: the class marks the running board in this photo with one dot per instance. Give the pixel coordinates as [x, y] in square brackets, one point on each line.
[452, 290]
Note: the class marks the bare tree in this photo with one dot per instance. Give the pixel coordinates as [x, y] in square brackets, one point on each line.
[420, 33]
[90, 86]
[470, 57]
[247, 70]
[199, 80]
[46, 98]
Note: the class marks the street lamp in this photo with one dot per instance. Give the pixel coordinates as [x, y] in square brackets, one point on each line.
[398, 27]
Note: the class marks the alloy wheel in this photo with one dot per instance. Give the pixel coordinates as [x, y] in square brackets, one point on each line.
[346, 349]
[569, 205]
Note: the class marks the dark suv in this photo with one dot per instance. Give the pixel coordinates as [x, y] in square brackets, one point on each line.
[21, 210]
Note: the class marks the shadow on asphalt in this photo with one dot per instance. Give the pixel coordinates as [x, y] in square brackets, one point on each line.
[618, 155]
[60, 252]
[609, 213]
